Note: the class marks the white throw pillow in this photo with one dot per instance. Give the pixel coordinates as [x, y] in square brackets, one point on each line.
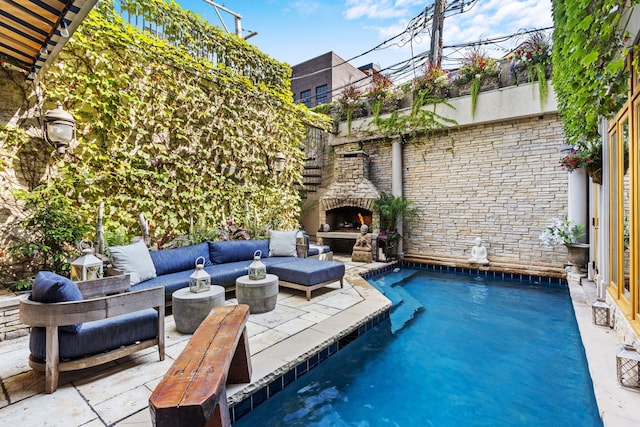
[282, 243]
[133, 259]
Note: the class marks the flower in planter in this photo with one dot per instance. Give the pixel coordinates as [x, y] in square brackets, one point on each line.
[383, 95]
[433, 81]
[535, 50]
[350, 100]
[576, 160]
[476, 65]
[561, 231]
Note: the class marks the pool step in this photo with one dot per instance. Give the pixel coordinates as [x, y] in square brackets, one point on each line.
[404, 305]
[405, 310]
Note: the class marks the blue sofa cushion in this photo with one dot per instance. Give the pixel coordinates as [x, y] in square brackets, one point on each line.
[171, 283]
[308, 271]
[49, 287]
[179, 259]
[99, 336]
[226, 251]
[318, 249]
[226, 274]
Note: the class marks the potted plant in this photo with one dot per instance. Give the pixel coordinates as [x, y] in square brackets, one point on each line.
[391, 208]
[383, 95]
[589, 156]
[562, 231]
[433, 83]
[351, 102]
[532, 61]
[477, 72]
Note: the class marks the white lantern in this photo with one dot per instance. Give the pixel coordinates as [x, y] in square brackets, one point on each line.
[628, 367]
[257, 269]
[199, 281]
[87, 267]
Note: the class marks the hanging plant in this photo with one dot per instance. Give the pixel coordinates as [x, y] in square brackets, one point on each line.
[533, 59]
[475, 90]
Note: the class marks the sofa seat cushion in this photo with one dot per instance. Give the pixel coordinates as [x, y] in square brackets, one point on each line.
[226, 251]
[50, 287]
[171, 282]
[308, 271]
[226, 274]
[179, 259]
[99, 336]
[277, 260]
[318, 249]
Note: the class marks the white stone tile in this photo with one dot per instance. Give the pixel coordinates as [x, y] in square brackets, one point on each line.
[139, 419]
[294, 326]
[273, 318]
[341, 301]
[264, 340]
[314, 317]
[64, 408]
[255, 329]
[123, 405]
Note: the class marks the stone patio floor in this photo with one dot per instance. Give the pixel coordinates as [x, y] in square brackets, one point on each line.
[117, 394]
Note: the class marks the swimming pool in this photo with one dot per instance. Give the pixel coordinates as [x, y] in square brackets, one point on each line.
[458, 350]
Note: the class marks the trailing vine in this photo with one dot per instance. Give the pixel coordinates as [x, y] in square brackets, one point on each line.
[176, 137]
[589, 76]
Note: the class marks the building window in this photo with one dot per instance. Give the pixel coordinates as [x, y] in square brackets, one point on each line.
[321, 95]
[305, 97]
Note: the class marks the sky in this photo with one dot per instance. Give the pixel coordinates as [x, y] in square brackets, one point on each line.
[294, 31]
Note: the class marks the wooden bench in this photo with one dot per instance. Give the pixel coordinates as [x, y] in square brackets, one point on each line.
[193, 392]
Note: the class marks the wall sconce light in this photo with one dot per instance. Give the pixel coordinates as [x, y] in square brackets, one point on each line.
[278, 163]
[601, 313]
[628, 363]
[59, 128]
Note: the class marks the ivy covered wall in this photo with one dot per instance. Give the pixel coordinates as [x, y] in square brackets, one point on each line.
[185, 140]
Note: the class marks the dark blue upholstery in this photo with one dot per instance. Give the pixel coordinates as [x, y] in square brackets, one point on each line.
[49, 287]
[179, 259]
[226, 251]
[99, 336]
[171, 282]
[308, 271]
[317, 249]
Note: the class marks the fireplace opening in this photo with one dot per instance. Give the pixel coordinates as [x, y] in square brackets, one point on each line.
[348, 218]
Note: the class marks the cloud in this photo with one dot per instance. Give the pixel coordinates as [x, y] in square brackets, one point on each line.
[373, 9]
[304, 8]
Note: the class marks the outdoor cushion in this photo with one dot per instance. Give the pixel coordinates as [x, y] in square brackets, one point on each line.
[308, 271]
[170, 281]
[49, 287]
[226, 274]
[282, 243]
[179, 259]
[318, 249]
[99, 336]
[134, 260]
[226, 251]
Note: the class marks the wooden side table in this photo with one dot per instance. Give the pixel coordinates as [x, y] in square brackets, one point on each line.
[260, 295]
[190, 308]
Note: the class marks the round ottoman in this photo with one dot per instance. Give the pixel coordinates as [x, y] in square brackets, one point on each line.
[260, 295]
[190, 308]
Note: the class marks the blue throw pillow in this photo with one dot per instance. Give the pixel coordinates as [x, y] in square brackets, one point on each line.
[49, 287]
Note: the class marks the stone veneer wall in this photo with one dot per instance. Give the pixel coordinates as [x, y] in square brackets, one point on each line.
[498, 180]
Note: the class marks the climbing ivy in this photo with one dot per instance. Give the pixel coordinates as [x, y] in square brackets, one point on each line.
[182, 139]
[589, 74]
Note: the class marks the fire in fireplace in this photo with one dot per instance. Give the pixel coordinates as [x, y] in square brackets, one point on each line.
[348, 218]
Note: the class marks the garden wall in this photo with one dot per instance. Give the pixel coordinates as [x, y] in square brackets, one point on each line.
[496, 176]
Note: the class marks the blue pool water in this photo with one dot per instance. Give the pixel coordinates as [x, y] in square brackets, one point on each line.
[458, 351]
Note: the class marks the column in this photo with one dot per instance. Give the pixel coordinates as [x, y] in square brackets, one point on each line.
[578, 204]
[396, 182]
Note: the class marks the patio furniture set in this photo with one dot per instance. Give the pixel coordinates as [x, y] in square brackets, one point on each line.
[78, 325]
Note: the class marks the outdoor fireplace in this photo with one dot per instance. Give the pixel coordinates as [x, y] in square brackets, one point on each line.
[348, 202]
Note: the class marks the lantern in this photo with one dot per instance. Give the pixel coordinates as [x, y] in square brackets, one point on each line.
[628, 367]
[199, 281]
[59, 128]
[601, 313]
[257, 269]
[87, 267]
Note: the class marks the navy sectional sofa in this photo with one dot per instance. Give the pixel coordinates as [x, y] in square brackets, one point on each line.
[230, 259]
